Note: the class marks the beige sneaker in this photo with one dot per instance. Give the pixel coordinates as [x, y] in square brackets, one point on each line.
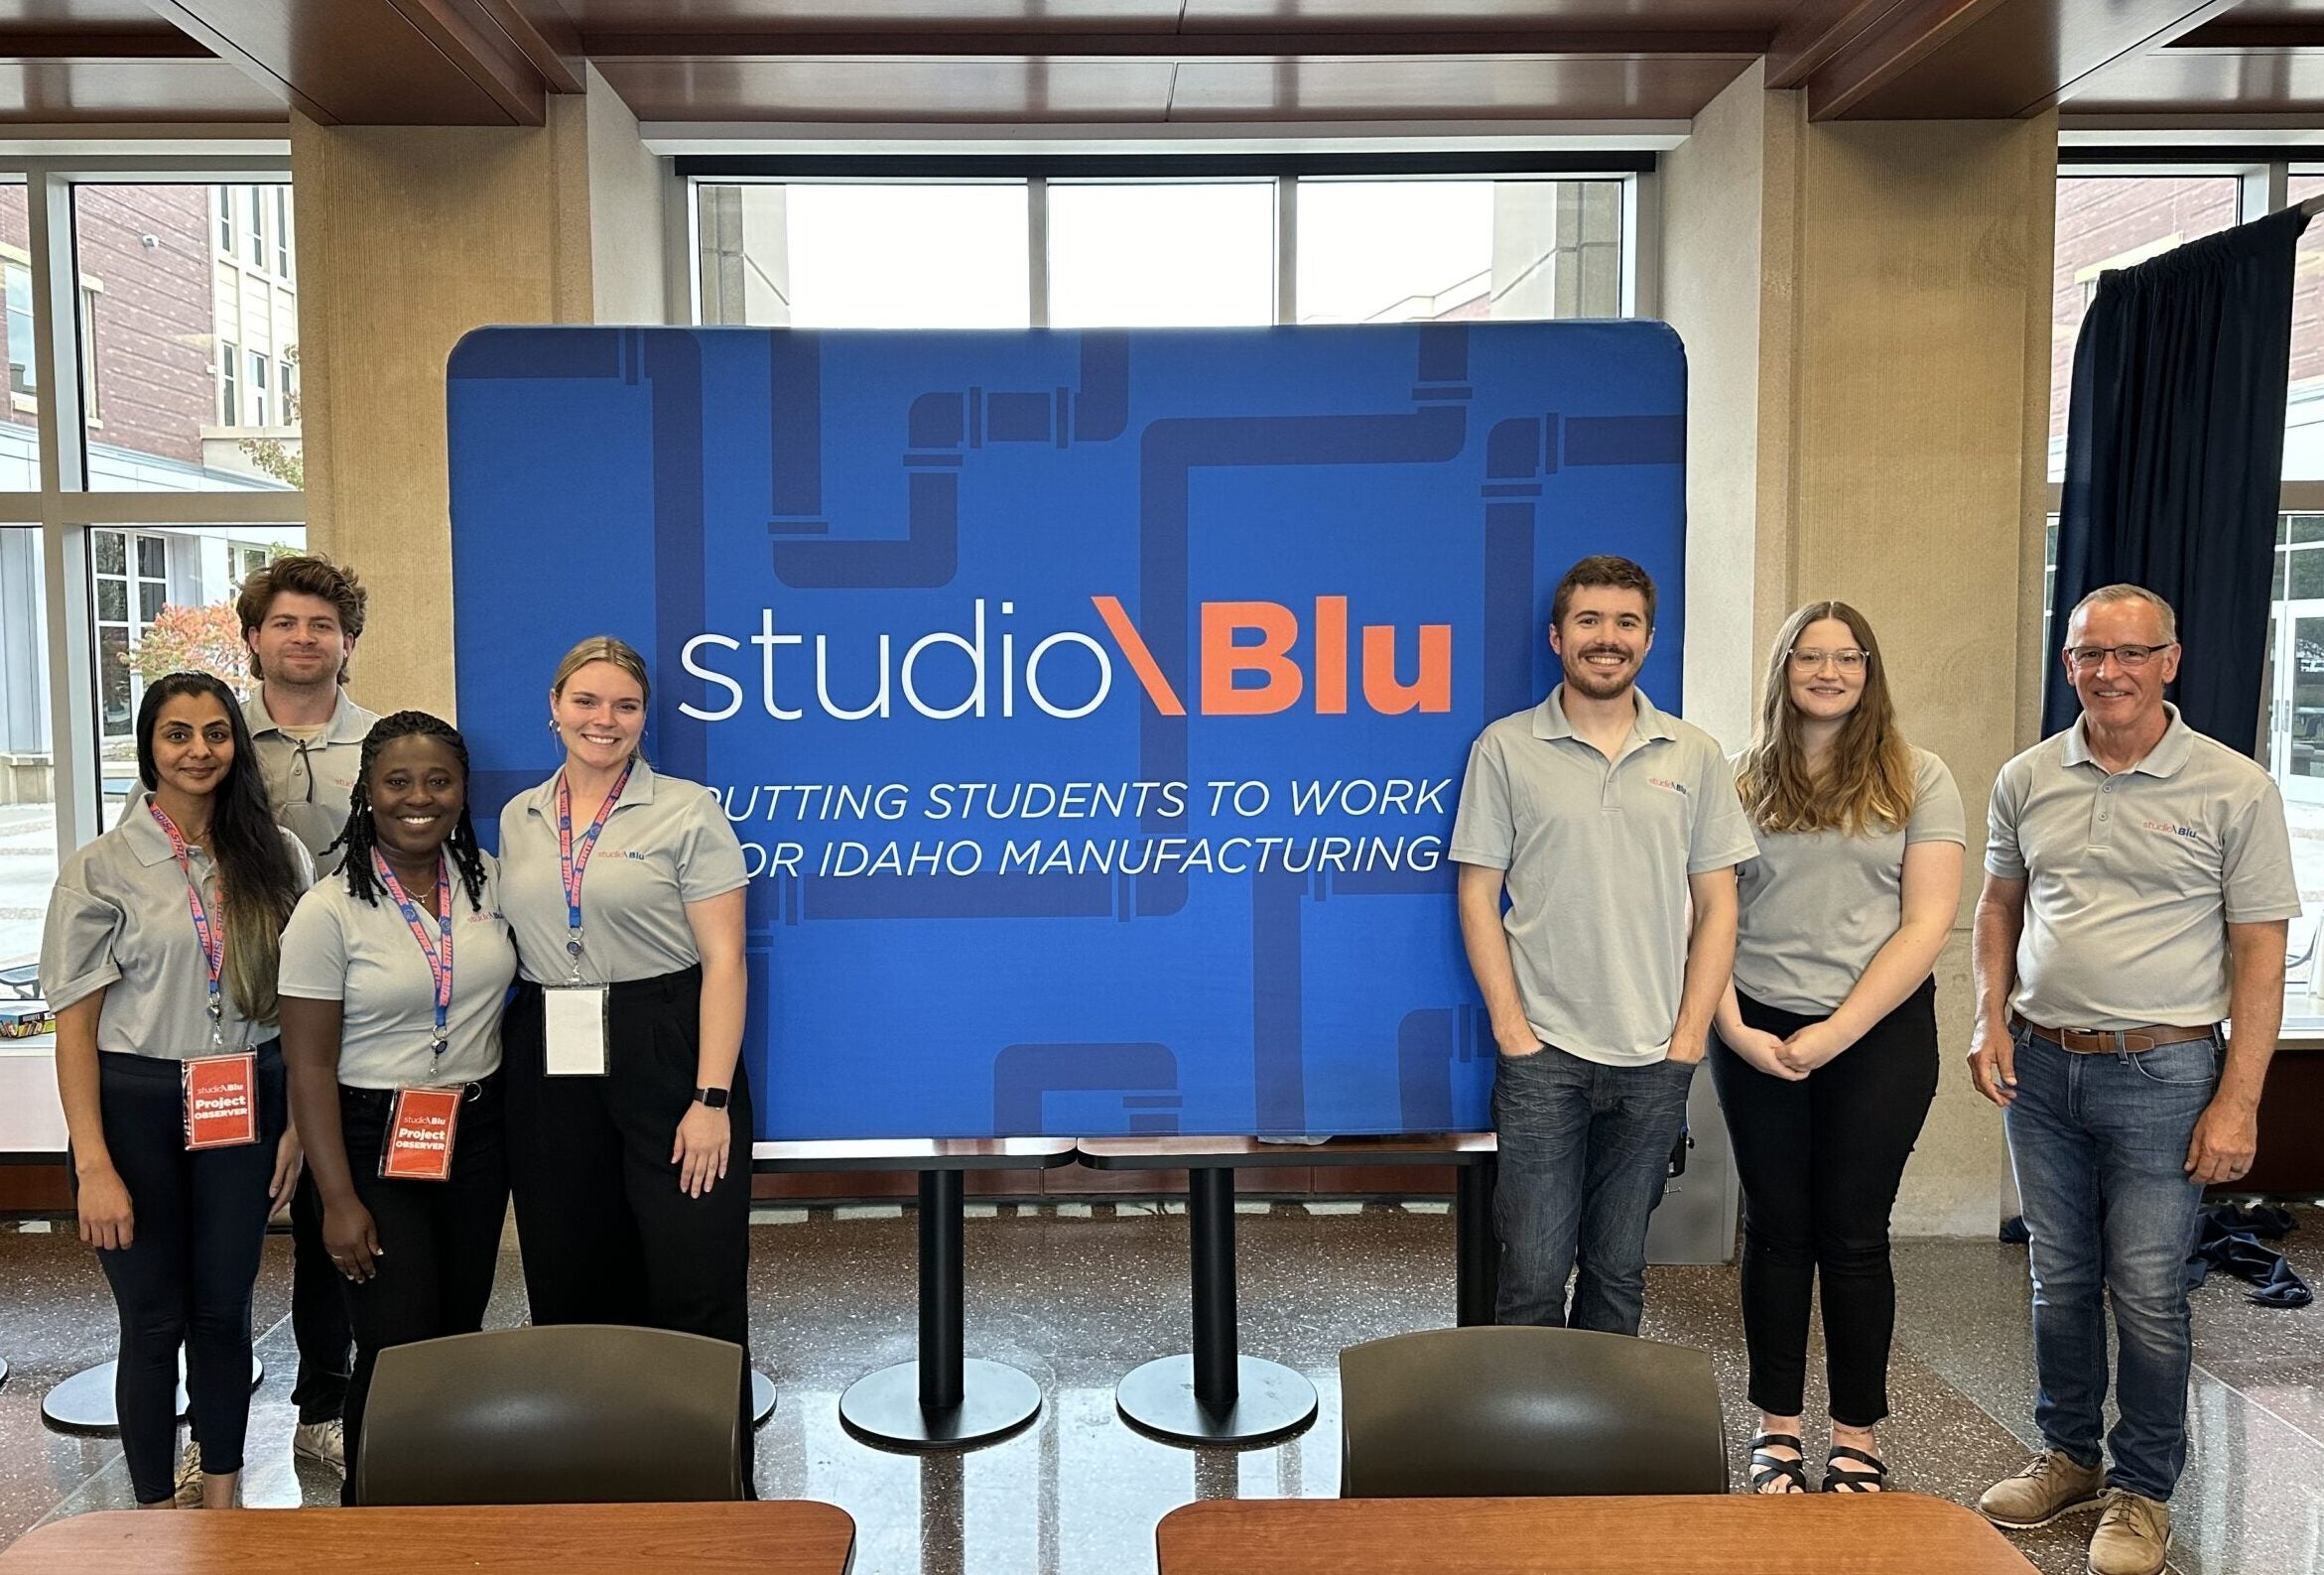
[186, 1491]
[2132, 1537]
[2045, 1488]
[323, 1442]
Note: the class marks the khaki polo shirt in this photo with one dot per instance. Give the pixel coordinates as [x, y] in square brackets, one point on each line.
[1598, 854]
[1816, 907]
[310, 782]
[119, 922]
[2132, 879]
[364, 955]
[667, 843]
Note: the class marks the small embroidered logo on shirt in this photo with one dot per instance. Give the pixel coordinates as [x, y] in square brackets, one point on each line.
[2189, 831]
[1666, 783]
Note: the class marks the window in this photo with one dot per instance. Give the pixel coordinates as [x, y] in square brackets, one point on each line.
[92, 407]
[179, 342]
[2112, 221]
[1161, 254]
[281, 230]
[1082, 253]
[1401, 250]
[141, 385]
[23, 376]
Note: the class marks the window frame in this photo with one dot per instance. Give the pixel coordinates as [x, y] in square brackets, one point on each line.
[1635, 169]
[61, 509]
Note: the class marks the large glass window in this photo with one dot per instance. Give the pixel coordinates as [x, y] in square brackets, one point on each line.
[1400, 250]
[182, 294]
[2112, 221]
[20, 429]
[28, 767]
[1157, 253]
[855, 256]
[1154, 254]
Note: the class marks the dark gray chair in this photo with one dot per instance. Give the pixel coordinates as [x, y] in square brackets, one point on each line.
[573, 1414]
[1521, 1412]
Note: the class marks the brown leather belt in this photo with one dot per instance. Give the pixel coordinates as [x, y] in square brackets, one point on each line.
[2111, 1041]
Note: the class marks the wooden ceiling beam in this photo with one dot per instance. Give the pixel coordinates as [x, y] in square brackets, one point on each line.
[1092, 44]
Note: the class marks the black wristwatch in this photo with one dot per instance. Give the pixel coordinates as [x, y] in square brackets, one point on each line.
[710, 1099]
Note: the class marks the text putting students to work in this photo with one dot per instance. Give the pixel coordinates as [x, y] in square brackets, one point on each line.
[1826, 1050]
[160, 957]
[629, 1123]
[394, 973]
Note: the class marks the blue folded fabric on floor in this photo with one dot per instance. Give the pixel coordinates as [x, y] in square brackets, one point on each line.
[2232, 1239]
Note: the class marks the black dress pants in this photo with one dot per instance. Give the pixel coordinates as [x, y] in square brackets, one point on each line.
[197, 1227]
[1820, 1162]
[440, 1240]
[607, 1234]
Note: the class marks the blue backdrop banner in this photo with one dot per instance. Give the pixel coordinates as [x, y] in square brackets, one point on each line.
[1092, 706]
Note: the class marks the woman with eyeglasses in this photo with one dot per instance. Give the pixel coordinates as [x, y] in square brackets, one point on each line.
[1825, 1050]
[394, 973]
[162, 941]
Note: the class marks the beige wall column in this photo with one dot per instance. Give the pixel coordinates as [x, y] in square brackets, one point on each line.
[408, 238]
[1867, 423]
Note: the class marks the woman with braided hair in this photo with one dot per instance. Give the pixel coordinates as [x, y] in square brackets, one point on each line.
[394, 973]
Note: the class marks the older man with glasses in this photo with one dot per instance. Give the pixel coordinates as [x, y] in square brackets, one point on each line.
[2139, 879]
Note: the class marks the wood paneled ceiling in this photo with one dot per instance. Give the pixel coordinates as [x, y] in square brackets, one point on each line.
[1149, 62]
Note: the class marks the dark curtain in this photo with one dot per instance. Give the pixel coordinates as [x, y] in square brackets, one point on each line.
[2174, 460]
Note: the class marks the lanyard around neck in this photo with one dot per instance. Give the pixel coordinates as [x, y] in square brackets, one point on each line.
[210, 933]
[572, 859]
[438, 952]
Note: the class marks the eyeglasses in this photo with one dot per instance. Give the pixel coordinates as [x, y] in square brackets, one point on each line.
[2083, 658]
[1847, 661]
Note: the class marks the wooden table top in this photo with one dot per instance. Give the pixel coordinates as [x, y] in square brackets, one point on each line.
[1890, 1533]
[790, 1537]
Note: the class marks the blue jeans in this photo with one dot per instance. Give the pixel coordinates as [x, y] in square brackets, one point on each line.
[1585, 1153]
[2099, 1143]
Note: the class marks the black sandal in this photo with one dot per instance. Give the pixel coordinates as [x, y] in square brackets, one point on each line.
[1842, 1476]
[1767, 1468]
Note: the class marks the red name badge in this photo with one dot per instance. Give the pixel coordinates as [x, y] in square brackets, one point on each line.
[221, 1101]
[419, 1138]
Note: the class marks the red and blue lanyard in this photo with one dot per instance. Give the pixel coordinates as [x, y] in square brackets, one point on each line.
[439, 951]
[211, 934]
[574, 860]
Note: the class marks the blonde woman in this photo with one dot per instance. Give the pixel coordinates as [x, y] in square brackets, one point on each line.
[1824, 1053]
[628, 1114]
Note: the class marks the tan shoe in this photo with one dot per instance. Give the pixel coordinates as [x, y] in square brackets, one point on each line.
[2045, 1488]
[2133, 1536]
[187, 1491]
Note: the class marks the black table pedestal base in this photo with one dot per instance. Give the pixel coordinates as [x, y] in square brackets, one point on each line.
[1271, 1400]
[885, 1406]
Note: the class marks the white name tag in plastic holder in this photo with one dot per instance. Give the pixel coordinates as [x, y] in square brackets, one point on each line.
[576, 1031]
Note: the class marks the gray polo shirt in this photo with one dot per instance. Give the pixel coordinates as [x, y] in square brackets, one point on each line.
[118, 921]
[1818, 906]
[2132, 879]
[365, 957]
[310, 782]
[667, 843]
[1597, 854]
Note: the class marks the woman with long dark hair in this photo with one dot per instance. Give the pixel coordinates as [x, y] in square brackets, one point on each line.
[160, 957]
[628, 1112]
[1824, 1053]
[394, 973]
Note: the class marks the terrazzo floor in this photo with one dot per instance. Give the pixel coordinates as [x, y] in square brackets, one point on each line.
[1078, 1297]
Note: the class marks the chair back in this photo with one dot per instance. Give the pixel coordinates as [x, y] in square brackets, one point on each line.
[1518, 1411]
[571, 1413]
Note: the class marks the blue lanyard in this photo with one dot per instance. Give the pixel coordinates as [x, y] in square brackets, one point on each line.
[439, 952]
[212, 935]
[573, 860]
